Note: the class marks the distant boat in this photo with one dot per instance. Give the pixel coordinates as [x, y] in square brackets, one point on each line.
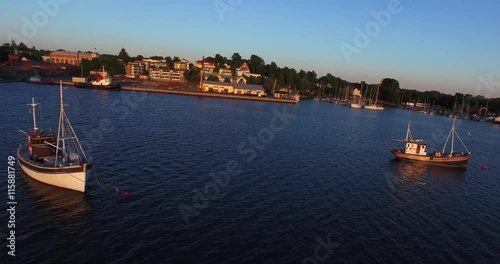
[100, 84]
[55, 159]
[374, 106]
[497, 120]
[416, 150]
[359, 104]
[37, 79]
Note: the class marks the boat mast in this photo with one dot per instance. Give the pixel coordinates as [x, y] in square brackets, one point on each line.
[452, 137]
[34, 113]
[60, 131]
[376, 96]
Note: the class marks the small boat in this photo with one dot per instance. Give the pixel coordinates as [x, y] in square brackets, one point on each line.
[358, 104]
[55, 159]
[497, 120]
[416, 150]
[100, 83]
[37, 79]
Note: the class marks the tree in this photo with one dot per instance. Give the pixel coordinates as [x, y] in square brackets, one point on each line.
[235, 60]
[212, 78]
[156, 57]
[123, 55]
[13, 44]
[170, 63]
[256, 64]
[22, 46]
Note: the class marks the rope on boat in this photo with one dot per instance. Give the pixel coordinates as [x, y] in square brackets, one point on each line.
[106, 183]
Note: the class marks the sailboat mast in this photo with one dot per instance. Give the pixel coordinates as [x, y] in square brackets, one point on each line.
[452, 137]
[34, 113]
[376, 96]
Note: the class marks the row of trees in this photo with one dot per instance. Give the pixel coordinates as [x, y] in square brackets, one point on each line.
[22, 50]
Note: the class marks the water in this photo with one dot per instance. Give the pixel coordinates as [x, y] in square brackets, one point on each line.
[324, 176]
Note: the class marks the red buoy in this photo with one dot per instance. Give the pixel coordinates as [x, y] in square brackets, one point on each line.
[483, 167]
[126, 193]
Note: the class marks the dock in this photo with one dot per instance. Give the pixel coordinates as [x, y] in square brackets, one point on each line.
[208, 94]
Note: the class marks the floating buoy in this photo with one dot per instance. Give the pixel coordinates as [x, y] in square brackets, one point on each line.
[126, 193]
[483, 167]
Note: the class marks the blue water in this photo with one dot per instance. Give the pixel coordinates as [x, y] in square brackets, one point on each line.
[322, 188]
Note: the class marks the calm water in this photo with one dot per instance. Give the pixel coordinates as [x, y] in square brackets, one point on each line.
[322, 187]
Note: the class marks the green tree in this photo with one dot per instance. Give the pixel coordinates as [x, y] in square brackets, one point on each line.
[22, 46]
[123, 55]
[256, 64]
[235, 60]
[170, 62]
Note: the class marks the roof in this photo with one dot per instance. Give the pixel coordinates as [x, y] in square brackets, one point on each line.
[218, 83]
[69, 53]
[248, 86]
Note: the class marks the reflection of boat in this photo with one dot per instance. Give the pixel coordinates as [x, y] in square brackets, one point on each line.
[416, 150]
[57, 160]
[60, 204]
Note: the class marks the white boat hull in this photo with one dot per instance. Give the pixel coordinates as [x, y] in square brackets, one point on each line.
[373, 107]
[356, 105]
[74, 181]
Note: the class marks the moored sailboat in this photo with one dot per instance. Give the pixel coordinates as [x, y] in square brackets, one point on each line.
[374, 106]
[55, 159]
[416, 150]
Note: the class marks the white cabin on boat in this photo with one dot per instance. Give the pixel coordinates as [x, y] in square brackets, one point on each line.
[417, 147]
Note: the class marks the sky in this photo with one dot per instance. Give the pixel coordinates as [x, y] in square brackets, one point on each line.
[447, 46]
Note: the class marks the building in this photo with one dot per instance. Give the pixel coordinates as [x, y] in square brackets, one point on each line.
[135, 69]
[154, 64]
[244, 70]
[207, 66]
[182, 65]
[73, 58]
[166, 75]
[233, 88]
[249, 89]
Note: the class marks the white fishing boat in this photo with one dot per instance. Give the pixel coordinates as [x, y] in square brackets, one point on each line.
[55, 159]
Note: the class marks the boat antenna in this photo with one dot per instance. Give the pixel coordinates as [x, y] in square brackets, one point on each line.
[34, 113]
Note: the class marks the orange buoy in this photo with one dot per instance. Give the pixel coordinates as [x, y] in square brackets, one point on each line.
[483, 167]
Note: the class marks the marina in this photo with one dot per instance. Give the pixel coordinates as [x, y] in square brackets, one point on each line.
[166, 149]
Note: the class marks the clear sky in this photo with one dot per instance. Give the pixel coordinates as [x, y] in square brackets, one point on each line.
[449, 46]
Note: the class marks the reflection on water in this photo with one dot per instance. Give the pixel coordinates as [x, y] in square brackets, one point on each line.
[407, 176]
[57, 204]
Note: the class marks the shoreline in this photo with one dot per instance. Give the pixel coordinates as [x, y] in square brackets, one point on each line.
[207, 94]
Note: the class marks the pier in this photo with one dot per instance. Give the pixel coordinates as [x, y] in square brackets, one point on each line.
[208, 94]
